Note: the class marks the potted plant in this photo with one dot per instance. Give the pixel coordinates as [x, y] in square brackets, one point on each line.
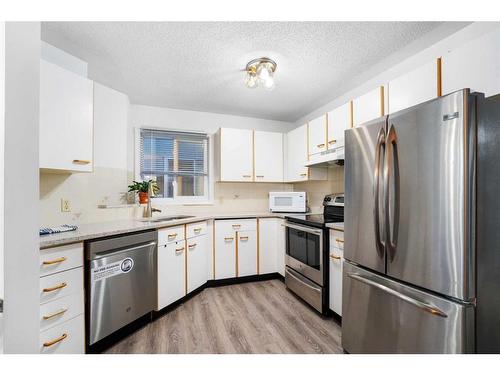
[142, 189]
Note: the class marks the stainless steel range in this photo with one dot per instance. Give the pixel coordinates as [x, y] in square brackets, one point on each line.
[306, 258]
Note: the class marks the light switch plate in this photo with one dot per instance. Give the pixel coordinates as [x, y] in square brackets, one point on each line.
[65, 205]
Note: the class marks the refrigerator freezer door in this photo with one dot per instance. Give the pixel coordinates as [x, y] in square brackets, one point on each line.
[382, 316]
[426, 224]
[364, 215]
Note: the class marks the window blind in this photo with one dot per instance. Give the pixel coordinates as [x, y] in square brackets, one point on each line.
[173, 153]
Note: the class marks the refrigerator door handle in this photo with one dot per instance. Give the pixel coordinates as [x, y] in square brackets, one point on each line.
[420, 304]
[379, 156]
[391, 176]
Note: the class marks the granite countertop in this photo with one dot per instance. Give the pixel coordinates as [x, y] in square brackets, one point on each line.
[337, 226]
[110, 228]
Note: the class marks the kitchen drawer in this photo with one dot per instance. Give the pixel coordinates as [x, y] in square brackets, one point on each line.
[228, 226]
[61, 258]
[65, 338]
[60, 310]
[61, 284]
[337, 239]
[196, 229]
[172, 234]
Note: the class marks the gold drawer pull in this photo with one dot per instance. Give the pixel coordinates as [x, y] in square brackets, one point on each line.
[53, 315]
[179, 250]
[55, 341]
[54, 261]
[303, 174]
[197, 230]
[81, 162]
[51, 289]
[172, 235]
[260, 176]
[244, 238]
[321, 145]
[247, 175]
[339, 240]
[334, 257]
[192, 245]
[333, 141]
[228, 238]
[236, 225]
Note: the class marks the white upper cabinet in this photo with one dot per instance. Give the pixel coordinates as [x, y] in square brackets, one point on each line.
[66, 120]
[236, 154]
[317, 135]
[268, 148]
[369, 106]
[415, 87]
[338, 121]
[474, 65]
[296, 154]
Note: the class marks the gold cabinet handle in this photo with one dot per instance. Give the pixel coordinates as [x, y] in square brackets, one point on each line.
[173, 235]
[335, 257]
[333, 141]
[244, 238]
[247, 176]
[303, 174]
[54, 261]
[192, 245]
[51, 289]
[321, 145]
[197, 230]
[179, 250]
[236, 225]
[228, 238]
[339, 240]
[260, 176]
[81, 162]
[54, 314]
[55, 341]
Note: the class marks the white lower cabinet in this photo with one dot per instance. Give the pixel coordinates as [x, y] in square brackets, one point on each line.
[197, 259]
[171, 273]
[268, 245]
[336, 265]
[281, 247]
[235, 248]
[247, 253]
[65, 338]
[62, 327]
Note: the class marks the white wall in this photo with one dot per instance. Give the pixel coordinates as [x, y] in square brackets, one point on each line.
[2, 131]
[373, 78]
[22, 80]
[63, 59]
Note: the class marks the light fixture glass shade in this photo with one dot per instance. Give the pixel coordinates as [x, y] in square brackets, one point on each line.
[264, 71]
[269, 83]
[251, 81]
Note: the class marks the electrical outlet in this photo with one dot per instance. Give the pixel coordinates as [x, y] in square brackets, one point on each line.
[65, 205]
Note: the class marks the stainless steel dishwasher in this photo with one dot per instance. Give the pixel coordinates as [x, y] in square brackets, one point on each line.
[121, 281]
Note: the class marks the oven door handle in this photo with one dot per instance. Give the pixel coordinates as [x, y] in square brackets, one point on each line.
[302, 280]
[319, 232]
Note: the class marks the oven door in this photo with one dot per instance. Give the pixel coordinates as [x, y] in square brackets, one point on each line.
[304, 251]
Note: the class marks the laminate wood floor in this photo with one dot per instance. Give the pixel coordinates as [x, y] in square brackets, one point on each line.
[256, 317]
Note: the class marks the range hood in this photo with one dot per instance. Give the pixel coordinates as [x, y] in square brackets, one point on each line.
[333, 156]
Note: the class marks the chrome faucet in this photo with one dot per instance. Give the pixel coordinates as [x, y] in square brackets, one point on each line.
[149, 209]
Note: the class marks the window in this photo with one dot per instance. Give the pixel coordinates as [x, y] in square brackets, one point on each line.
[178, 162]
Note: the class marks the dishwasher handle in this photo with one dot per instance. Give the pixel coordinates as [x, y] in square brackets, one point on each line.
[125, 250]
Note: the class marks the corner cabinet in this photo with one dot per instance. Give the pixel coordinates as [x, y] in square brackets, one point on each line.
[66, 120]
[244, 155]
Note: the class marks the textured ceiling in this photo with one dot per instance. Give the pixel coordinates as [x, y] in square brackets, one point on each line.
[197, 65]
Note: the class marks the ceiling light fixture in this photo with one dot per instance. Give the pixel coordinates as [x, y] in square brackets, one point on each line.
[260, 72]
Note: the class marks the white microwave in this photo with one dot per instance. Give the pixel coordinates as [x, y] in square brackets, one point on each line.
[287, 201]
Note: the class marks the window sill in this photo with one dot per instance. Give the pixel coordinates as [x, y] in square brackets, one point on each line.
[166, 202]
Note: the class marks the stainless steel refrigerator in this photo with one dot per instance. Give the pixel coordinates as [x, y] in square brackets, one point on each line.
[422, 229]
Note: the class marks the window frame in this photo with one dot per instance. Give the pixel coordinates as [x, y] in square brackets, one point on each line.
[207, 198]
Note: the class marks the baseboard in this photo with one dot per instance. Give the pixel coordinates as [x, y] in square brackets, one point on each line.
[244, 279]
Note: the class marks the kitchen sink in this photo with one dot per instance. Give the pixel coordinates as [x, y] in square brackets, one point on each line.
[165, 218]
